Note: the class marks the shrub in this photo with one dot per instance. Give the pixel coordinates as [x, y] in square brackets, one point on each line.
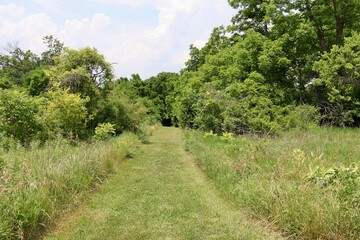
[302, 117]
[64, 113]
[36, 81]
[338, 82]
[254, 108]
[18, 116]
[104, 131]
[125, 113]
[209, 111]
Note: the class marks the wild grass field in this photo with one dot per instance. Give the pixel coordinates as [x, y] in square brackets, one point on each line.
[38, 183]
[159, 194]
[307, 183]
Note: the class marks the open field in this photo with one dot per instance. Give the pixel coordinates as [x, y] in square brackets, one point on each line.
[306, 183]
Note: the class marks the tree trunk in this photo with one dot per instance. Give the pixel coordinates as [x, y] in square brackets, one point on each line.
[340, 24]
[319, 31]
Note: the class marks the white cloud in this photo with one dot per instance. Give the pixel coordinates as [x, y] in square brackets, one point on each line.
[10, 11]
[46, 5]
[28, 30]
[134, 3]
[144, 49]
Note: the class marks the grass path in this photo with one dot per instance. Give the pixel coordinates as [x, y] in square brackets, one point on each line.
[158, 194]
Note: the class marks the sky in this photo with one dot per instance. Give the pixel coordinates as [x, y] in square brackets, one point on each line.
[138, 36]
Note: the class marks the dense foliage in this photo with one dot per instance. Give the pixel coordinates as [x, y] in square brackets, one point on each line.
[254, 76]
[276, 58]
[63, 92]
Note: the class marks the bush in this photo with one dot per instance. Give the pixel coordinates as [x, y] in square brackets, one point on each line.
[18, 116]
[64, 113]
[254, 107]
[302, 117]
[209, 111]
[338, 82]
[36, 81]
[104, 131]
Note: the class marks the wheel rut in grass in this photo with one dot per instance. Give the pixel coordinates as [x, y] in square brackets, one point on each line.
[158, 194]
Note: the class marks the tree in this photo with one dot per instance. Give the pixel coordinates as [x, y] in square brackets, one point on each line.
[64, 113]
[332, 20]
[254, 107]
[339, 83]
[54, 49]
[36, 81]
[84, 72]
[159, 89]
[253, 14]
[17, 63]
[217, 42]
[75, 67]
[18, 117]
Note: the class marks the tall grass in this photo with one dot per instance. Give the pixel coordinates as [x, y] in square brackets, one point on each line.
[38, 183]
[305, 183]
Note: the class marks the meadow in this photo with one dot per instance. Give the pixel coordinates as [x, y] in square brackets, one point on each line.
[305, 183]
[40, 183]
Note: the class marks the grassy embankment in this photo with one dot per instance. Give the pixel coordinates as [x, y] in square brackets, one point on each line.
[278, 179]
[39, 183]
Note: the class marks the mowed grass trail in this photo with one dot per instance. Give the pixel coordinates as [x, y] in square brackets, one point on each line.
[159, 194]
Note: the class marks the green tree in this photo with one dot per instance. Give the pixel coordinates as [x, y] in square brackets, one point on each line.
[218, 41]
[332, 20]
[17, 63]
[76, 68]
[84, 72]
[254, 107]
[54, 49]
[64, 113]
[253, 14]
[36, 81]
[339, 83]
[18, 117]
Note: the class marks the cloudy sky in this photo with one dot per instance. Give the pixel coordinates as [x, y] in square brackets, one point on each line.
[141, 36]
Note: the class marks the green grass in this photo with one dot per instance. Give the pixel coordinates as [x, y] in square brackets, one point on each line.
[269, 177]
[159, 194]
[38, 183]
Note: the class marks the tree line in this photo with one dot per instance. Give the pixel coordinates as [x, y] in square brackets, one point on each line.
[280, 64]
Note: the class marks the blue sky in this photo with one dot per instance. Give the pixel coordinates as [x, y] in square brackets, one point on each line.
[141, 36]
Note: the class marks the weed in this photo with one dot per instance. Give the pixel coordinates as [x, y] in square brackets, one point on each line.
[37, 184]
[270, 178]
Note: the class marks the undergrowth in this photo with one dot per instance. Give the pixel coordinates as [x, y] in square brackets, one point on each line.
[38, 183]
[307, 183]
